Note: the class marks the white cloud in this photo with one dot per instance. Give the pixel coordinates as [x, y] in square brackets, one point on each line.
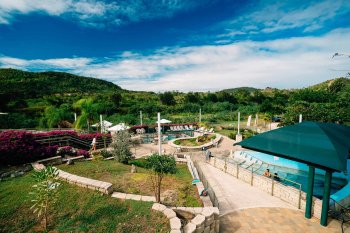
[282, 63]
[39, 64]
[96, 13]
[272, 16]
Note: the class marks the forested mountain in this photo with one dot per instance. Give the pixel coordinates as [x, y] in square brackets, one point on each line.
[50, 99]
[32, 85]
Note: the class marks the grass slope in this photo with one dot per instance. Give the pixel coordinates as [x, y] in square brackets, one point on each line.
[77, 210]
[138, 183]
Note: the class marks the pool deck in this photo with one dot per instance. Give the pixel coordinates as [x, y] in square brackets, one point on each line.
[245, 209]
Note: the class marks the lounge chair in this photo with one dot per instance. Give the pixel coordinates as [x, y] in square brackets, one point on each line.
[191, 126]
[186, 127]
[211, 130]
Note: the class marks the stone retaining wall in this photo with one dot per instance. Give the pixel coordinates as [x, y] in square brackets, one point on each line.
[101, 186]
[200, 187]
[175, 223]
[206, 219]
[288, 194]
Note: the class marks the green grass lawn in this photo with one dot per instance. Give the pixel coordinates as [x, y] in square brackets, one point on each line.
[77, 210]
[137, 183]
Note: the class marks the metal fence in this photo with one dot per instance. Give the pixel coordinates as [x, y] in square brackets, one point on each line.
[283, 181]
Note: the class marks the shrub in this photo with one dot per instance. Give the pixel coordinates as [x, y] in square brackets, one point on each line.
[85, 153]
[106, 154]
[139, 163]
[66, 150]
[18, 147]
[121, 147]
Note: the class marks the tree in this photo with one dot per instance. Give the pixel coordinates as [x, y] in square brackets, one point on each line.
[192, 97]
[55, 117]
[121, 146]
[167, 98]
[160, 166]
[45, 191]
[89, 112]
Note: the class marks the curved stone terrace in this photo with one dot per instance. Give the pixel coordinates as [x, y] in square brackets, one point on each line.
[211, 144]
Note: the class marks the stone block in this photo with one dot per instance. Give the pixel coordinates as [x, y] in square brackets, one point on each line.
[209, 221]
[198, 220]
[148, 198]
[207, 213]
[158, 207]
[169, 213]
[119, 195]
[197, 210]
[190, 228]
[175, 223]
[217, 226]
[206, 229]
[190, 209]
[215, 210]
[133, 197]
[200, 229]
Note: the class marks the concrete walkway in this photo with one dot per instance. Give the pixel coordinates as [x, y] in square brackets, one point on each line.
[234, 194]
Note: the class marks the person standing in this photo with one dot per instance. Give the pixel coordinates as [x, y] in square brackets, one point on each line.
[93, 143]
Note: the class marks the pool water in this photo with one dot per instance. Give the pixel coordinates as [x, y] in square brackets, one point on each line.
[298, 172]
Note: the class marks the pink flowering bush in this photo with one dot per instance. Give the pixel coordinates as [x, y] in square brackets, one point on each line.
[18, 147]
[85, 153]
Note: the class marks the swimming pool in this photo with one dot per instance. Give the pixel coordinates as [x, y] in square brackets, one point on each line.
[298, 172]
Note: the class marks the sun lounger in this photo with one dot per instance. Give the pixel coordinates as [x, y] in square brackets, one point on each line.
[211, 130]
[191, 126]
[186, 127]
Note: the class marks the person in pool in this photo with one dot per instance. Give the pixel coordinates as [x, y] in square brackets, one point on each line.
[276, 177]
[267, 173]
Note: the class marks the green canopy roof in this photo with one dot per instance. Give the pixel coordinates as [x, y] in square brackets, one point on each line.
[323, 145]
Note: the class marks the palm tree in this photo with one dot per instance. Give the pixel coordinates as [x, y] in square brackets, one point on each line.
[89, 112]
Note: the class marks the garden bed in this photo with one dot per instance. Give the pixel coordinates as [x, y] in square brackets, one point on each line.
[198, 141]
[138, 183]
[77, 210]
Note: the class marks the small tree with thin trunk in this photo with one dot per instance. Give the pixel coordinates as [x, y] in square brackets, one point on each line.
[160, 166]
[45, 192]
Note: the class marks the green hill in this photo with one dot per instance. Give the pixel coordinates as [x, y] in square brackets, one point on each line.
[22, 84]
[237, 89]
[326, 84]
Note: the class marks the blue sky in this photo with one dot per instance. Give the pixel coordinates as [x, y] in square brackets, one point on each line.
[181, 45]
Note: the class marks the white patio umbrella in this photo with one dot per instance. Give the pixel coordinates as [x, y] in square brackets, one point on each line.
[164, 121]
[106, 124]
[118, 127]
